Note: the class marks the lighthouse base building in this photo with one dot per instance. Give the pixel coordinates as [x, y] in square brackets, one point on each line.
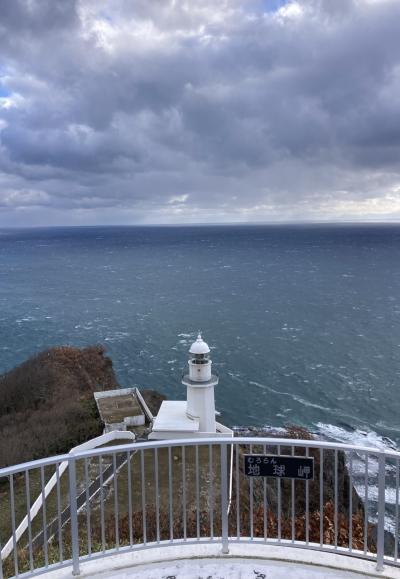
[195, 416]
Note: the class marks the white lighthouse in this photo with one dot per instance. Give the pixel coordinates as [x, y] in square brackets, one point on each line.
[200, 386]
[194, 417]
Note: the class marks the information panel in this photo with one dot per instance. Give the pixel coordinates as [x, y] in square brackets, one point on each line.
[295, 467]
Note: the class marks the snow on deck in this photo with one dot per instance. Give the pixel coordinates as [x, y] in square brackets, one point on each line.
[245, 561]
[229, 569]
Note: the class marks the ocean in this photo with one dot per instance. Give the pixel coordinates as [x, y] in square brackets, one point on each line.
[303, 321]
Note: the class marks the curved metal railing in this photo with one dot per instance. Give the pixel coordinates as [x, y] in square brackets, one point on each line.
[135, 496]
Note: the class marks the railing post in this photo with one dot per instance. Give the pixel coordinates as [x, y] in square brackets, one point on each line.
[224, 499]
[74, 516]
[380, 547]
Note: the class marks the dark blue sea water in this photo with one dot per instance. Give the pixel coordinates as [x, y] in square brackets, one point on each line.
[304, 321]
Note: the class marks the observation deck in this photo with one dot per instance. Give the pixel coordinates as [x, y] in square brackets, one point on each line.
[189, 508]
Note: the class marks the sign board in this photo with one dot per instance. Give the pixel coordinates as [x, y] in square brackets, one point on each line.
[295, 467]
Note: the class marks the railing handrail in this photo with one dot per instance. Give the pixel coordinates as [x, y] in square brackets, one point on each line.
[225, 470]
[242, 440]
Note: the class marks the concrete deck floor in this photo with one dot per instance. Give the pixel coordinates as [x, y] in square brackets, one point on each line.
[244, 562]
[229, 569]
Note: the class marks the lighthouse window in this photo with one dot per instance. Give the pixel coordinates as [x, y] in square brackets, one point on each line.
[200, 359]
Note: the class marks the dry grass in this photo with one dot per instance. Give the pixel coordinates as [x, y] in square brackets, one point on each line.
[46, 403]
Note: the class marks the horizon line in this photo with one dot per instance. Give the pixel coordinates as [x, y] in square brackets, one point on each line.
[209, 224]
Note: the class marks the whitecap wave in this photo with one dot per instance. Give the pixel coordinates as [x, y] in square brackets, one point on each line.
[356, 437]
[365, 469]
[294, 397]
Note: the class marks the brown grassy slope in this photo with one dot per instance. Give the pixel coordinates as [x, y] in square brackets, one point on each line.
[47, 405]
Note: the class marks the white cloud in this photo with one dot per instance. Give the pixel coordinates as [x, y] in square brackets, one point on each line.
[292, 10]
[178, 199]
[23, 198]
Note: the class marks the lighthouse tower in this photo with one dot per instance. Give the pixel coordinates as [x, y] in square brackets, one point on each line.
[200, 384]
[195, 416]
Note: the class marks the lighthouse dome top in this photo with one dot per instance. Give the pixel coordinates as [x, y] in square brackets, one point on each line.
[199, 346]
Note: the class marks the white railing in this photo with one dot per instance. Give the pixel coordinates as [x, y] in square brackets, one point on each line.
[142, 495]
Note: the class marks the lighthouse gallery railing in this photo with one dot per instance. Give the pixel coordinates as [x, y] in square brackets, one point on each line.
[153, 494]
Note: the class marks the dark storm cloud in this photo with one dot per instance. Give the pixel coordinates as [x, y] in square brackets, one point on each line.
[161, 111]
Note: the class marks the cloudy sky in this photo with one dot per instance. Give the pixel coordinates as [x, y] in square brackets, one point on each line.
[190, 111]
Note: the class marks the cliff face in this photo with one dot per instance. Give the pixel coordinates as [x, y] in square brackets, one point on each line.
[46, 403]
[269, 525]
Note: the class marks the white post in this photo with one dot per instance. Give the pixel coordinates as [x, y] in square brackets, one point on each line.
[380, 547]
